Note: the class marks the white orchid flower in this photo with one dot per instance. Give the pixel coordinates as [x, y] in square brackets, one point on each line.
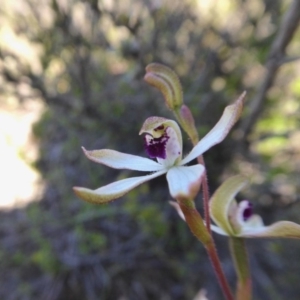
[163, 142]
[237, 219]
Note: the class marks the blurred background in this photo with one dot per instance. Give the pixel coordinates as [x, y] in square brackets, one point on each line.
[71, 75]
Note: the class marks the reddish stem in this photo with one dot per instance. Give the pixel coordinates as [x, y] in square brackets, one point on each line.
[213, 255]
[205, 193]
[192, 216]
[197, 227]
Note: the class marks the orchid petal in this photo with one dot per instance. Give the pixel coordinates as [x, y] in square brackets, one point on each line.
[113, 190]
[218, 230]
[222, 200]
[119, 160]
[281, 229]
[230, 116]
[178, 209]
[185, 181]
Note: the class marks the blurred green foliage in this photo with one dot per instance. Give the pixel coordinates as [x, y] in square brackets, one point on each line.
[86, 64]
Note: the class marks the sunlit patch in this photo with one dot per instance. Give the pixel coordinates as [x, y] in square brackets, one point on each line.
[20, 182]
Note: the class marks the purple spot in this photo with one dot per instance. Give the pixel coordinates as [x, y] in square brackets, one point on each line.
[248, 211]
[156, 147]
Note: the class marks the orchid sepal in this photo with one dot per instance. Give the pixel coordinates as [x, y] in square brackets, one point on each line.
[119, 160]
[218, 133]
[220, 202]
[280, 229]
[113, 190]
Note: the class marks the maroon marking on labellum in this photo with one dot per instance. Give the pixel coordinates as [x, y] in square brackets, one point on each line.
[156, 147]
[161, 127]
[247, 213]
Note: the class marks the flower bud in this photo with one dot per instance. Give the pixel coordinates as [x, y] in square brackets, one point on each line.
[165, 80]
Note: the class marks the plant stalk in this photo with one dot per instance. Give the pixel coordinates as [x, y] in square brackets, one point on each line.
[192, 216]
[186, 121]
[241, 263]
[197, 227]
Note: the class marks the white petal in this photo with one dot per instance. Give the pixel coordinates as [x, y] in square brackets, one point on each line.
[185, 181]
[218, 230]
[113, 190]
[119, 160]
[178, 209]
[219, 131]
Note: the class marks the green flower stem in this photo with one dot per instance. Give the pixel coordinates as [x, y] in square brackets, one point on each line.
[192, 216]
[194, 221]
[239, 254]
[186, 120]
[197, 227]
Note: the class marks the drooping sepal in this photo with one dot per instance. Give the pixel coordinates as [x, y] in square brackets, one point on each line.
[113, 190]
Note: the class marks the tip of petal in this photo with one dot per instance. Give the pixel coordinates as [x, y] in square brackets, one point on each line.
[178, 209]
[236, 108]
[84, 150]
[242, 96]
[89, 195]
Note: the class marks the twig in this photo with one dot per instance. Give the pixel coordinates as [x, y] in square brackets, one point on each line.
[276, 57]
